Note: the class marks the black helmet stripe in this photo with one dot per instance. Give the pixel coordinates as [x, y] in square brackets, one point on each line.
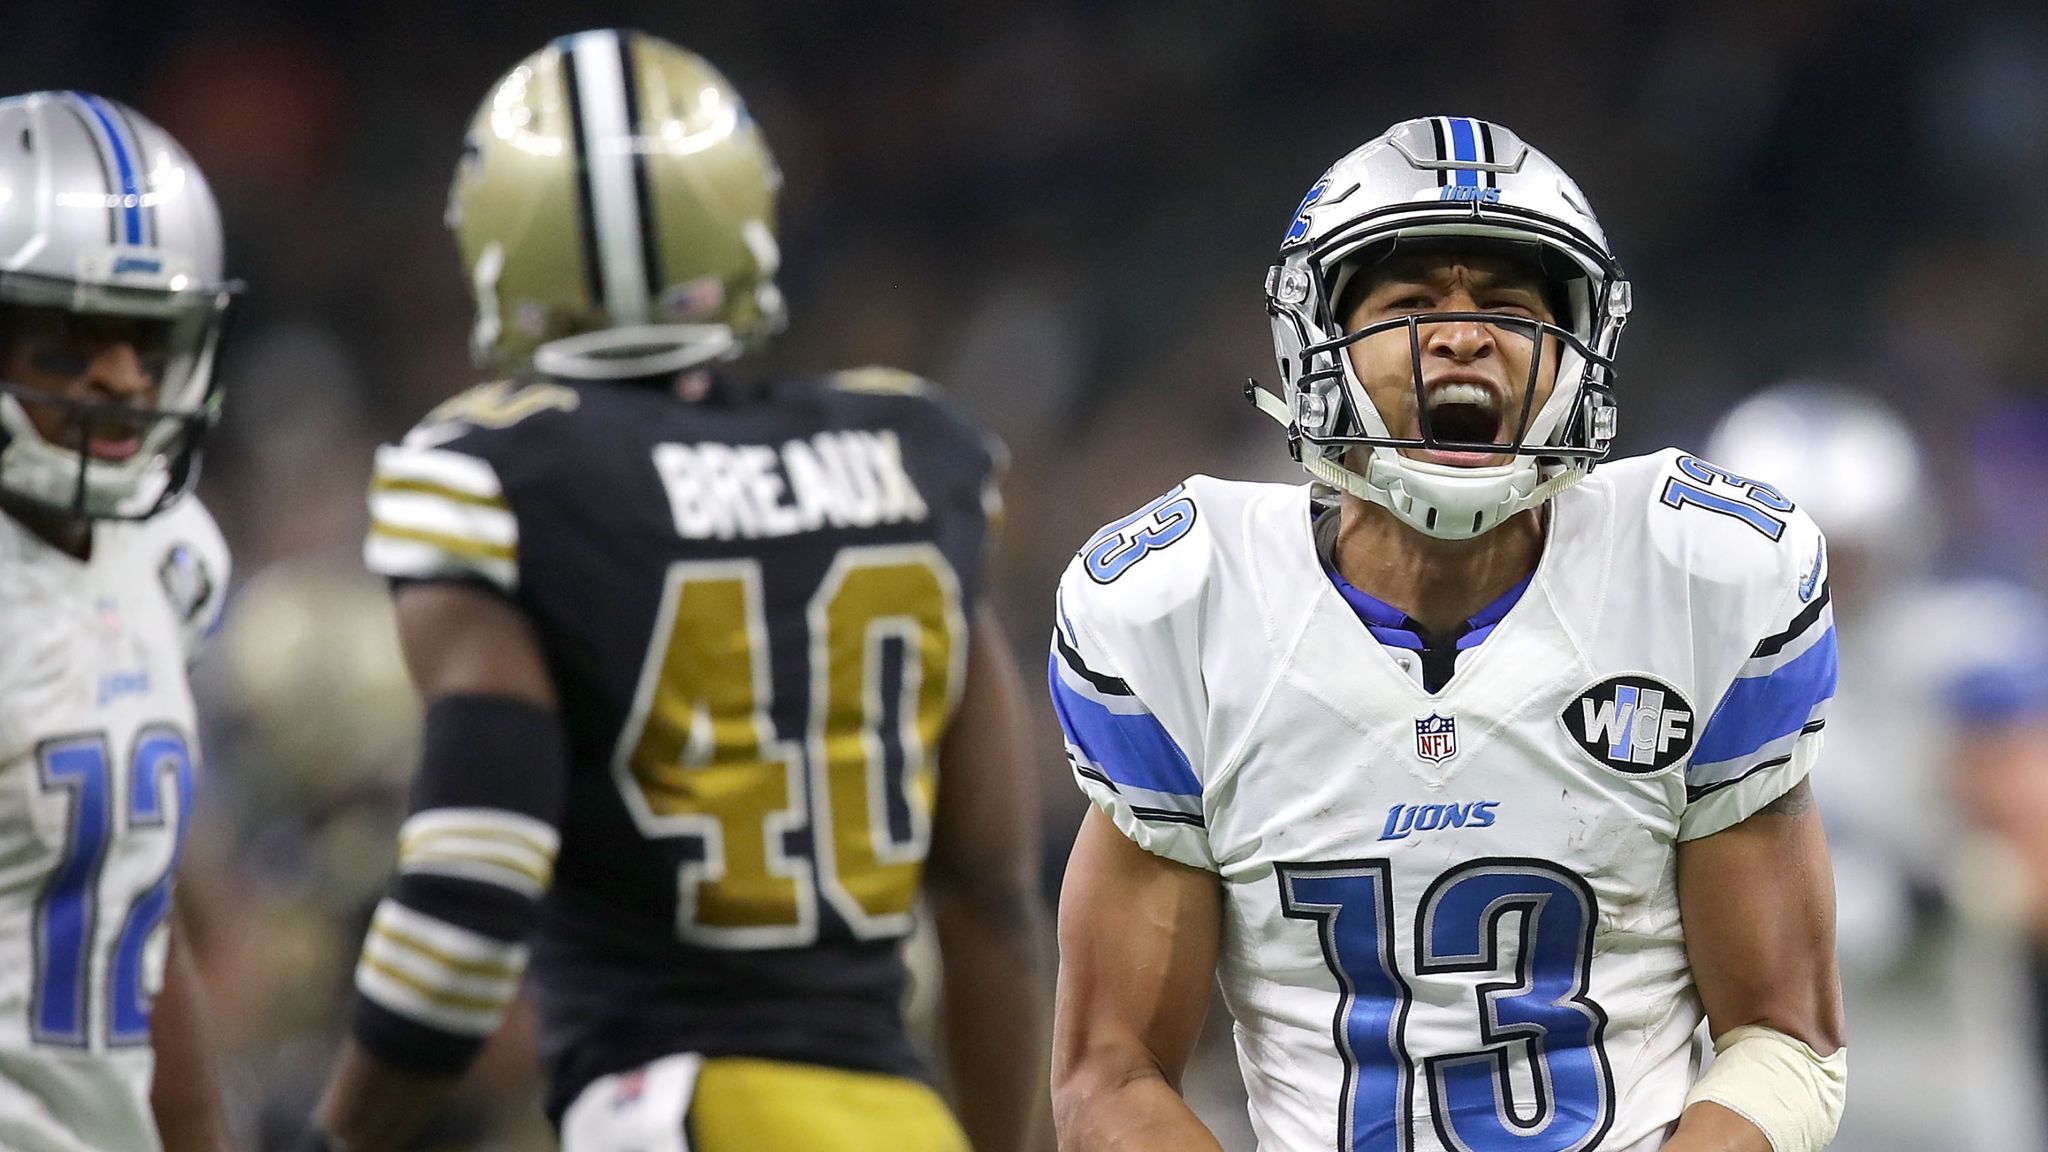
[650, 246]
[608, 163]
[593, 277]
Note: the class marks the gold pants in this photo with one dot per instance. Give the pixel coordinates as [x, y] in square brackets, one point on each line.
[734, 1104]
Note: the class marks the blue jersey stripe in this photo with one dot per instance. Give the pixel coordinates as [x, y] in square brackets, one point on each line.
[1761, 709]
[124, 166]
[1129, 748]
[1464, 147]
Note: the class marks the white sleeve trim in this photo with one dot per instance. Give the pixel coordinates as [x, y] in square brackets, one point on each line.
[488, 845]
[435, 513]
[437, 974]
[1732, 803]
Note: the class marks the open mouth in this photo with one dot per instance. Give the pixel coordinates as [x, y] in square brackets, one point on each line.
[113, 439]
[1461, 412]
[114, 450]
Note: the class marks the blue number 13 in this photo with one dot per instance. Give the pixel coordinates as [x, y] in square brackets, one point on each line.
[1754, 506]
[1542, 1004]
[62, 1011]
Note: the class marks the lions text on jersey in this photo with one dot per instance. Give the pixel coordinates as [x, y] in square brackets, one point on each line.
[97, 761]
[1451, 921]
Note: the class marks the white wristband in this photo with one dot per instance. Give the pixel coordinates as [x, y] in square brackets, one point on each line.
[1774, 1081]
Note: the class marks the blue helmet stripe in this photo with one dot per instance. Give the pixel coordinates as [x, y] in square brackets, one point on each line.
[124, 166]
[1465, 148]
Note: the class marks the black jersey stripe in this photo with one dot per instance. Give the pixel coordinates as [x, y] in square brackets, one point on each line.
[643, 216]
[1101, 682]
[586, 218]
[1162, 816]
[1772, 645]
[1143, 812]
[1693, 794]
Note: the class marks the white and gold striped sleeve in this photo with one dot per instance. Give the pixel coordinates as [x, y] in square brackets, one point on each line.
[436, 973]
[439, 514]
[487, 845]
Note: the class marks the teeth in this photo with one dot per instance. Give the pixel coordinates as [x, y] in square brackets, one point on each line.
[1459, 392]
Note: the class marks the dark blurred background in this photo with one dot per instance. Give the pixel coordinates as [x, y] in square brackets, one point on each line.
[1061, 211]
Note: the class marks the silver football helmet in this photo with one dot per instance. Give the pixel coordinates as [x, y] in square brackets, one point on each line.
[1466, 184]
[104, 217]
[1846, 457]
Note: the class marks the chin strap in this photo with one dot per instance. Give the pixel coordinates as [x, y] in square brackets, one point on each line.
[1337, 476]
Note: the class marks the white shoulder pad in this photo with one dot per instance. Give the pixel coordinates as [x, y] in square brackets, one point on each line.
[1719, 527]
[1126, 666]
[192, 565]
[1763, 634]
[436, 513]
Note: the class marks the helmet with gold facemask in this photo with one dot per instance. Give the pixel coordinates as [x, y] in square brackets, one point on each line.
[615, 211]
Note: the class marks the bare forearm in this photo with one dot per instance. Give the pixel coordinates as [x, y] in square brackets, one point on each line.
[995, 1009]
[371, 1106]
[1134, 1110]
[1708, 1127]
[185, 1095]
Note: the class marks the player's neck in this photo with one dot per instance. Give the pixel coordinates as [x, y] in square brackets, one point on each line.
[1441, 583]
[68, 534]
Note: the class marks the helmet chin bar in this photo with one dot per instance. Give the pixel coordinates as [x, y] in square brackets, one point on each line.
[1381, 489]
[1442, 501]
[65, 480]
[636, 351]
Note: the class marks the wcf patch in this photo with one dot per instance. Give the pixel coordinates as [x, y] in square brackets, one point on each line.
[1634, 724]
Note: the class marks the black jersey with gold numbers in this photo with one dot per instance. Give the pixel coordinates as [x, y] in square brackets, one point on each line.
[754, 606]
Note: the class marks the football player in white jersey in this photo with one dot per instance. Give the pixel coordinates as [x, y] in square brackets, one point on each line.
[111, 303]
[1475, 775]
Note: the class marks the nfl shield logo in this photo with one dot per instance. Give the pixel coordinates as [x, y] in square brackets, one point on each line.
[1436, 738]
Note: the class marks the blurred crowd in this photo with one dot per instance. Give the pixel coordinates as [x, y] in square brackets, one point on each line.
[1062, 212]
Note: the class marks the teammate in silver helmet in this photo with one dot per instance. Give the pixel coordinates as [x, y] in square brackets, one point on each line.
[1926, 967]
[111, 302]
[1474, 773]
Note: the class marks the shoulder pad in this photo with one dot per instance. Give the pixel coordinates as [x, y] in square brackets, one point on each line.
[440, 513]
[1720, 527]
[1147, 561]
[1155, 561]
[499, 404]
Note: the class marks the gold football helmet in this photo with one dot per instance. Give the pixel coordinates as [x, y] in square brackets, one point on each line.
[615, 209]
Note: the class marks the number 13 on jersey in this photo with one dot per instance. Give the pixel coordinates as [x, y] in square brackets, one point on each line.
[1529, 923]
[701, 758]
